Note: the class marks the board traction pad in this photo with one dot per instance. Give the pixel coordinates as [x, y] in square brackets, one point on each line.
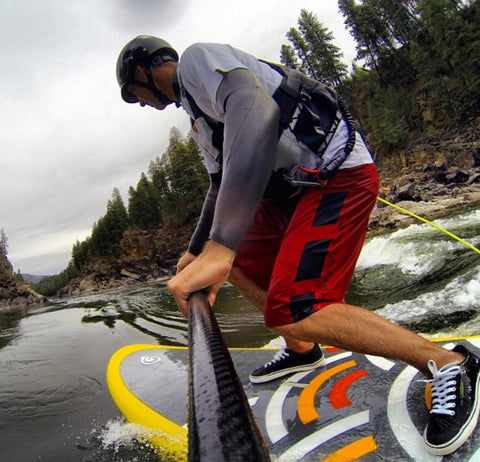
[354, 407]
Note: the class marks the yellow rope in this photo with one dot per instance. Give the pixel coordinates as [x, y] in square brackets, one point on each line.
[443, 230]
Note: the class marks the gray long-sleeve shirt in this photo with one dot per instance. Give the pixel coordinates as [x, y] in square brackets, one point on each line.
[235, 88]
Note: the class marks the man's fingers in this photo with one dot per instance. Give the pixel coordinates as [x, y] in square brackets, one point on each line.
[211, 297]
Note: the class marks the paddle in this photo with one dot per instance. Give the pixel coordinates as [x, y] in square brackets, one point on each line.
[221, 426]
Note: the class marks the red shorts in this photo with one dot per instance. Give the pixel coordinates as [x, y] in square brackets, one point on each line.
[306, 259]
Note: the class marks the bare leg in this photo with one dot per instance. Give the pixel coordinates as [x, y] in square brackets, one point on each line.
[257, 296]
[356, 329]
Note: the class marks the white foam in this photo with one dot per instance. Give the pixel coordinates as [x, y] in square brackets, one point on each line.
[413, 258]
[471, 218]
[119, 433]
[462, 293]
[415, 250]
[378, 251]
[469, 293]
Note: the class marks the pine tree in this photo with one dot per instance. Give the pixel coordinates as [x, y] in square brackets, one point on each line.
[313, 50]
[117, 216]
[108, 231]
[81, 254]
[3, 243]
[368, 30]
[447, 54]
[144, 205]
[325, 56]
[188, 182]
[288, 57]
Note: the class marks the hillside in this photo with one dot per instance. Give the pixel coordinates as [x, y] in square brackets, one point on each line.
[431, 178]
[33, 278]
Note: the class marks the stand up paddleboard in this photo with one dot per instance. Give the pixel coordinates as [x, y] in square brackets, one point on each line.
[354, 407]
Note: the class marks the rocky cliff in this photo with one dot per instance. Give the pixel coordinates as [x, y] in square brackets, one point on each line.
[13, 291]
[431, 179]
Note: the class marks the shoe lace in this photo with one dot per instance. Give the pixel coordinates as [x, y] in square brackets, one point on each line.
[279, 355]
[444, 387]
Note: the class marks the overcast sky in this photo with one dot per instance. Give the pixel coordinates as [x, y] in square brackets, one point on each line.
[67, 138]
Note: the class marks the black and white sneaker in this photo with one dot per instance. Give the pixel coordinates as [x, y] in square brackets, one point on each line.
[455, 403]
[287, 362]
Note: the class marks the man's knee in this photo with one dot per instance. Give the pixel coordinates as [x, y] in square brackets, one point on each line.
[313, 328]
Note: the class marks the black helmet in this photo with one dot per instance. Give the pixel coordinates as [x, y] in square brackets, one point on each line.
[141, 49]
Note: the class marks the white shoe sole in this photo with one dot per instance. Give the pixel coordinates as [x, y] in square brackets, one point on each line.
[282, 373]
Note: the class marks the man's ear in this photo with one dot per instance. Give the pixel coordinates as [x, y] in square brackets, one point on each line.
[140, 73]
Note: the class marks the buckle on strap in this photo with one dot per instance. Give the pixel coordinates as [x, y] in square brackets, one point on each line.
[316, 179]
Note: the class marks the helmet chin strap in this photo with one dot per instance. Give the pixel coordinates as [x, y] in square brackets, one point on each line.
[164, 99]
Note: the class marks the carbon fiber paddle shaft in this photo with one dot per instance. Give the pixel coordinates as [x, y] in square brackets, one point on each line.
[221, 426]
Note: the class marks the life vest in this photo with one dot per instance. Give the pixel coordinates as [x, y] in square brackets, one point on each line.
[308, 107]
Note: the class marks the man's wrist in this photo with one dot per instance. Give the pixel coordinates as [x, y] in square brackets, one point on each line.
[220, 250]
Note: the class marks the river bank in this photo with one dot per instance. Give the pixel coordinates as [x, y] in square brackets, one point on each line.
[432, 179]
[385, 219]
[14, 293]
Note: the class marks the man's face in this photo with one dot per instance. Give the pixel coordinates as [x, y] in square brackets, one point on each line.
[144, 95]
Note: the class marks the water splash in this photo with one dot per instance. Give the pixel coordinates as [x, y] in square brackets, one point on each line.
[118, 434]
[419, 248]
[415, 250]
[447, 312]
[121, 441]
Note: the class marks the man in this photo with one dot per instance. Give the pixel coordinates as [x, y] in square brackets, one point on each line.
[292, 188]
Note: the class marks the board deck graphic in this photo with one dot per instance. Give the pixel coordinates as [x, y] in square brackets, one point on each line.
[355, 407]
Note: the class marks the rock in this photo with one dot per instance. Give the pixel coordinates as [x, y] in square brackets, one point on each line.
[407, 192]
[456, 175]
[437, 201]
[129, 274]
[473, 178]
[440, 163]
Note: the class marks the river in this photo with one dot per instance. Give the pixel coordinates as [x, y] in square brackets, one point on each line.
[54, 403]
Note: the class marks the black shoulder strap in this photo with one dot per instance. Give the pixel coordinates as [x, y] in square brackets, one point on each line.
[216, 126]
[287, 95]
[197, 112]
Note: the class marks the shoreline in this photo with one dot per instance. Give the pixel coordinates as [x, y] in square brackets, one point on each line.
[386, 219]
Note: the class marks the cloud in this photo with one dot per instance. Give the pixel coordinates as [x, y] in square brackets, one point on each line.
[152, 15]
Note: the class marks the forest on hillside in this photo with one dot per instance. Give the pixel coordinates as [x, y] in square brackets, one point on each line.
[416, 77]
[416, 72]
[165, 203]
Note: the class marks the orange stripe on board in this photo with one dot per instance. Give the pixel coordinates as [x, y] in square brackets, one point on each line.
[353, 451]
[428, 396]
[306, 401]
[331, 349]
[338, 394]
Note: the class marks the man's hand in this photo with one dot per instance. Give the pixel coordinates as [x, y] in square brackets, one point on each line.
[184, 261]
[208, 271]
